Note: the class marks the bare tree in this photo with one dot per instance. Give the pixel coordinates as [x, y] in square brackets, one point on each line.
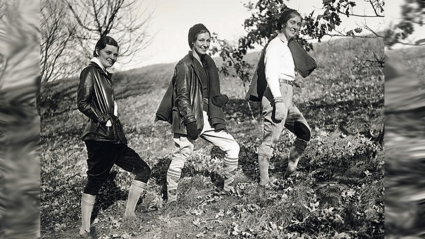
[123, 20]
[58, 32]
[71, 29]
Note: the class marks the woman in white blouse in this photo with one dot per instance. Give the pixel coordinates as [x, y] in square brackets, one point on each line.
[279, 110]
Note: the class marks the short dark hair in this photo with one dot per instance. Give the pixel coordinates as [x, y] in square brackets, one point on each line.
[103, 41]
[287, 14]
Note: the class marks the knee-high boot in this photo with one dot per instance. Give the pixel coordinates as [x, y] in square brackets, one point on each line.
[136, 189]
[87, 202]
[294, 155]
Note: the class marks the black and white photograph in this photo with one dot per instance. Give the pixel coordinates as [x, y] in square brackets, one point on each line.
[212, 119]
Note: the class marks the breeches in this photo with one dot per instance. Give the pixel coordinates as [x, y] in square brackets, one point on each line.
[184, 147]
[294, 121]
[103, 155]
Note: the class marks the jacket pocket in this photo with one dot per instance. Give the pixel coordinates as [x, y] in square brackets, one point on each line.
[105, 132]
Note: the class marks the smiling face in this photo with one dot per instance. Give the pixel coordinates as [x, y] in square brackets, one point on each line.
[108, 55]
[291, 27]
[202, 43]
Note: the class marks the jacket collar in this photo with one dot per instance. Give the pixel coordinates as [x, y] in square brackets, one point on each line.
[99, 65]
[192, 62]
[95, 60]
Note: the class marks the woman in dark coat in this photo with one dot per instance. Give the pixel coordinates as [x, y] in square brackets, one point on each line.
[192, 105]
[104, 137]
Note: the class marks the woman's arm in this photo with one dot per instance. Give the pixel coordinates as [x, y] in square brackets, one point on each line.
[182, 79]
[84, 97]
[272, 68]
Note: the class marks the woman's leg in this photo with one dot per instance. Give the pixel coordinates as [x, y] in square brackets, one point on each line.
[183, 148]
[228, 144]
[272, 130]
[130, 161]
[298, 125]
[101, 156]
[87, 203]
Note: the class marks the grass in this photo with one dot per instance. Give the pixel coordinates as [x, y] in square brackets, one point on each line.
[337, 192]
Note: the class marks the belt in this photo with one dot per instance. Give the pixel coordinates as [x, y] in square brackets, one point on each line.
[289, 82]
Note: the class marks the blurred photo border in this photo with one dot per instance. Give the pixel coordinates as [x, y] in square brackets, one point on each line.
[19, 119]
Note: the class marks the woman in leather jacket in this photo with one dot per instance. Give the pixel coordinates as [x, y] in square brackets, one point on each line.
[193, 105]
[104, 137]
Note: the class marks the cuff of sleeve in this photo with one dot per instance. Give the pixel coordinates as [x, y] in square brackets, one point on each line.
[189, 120]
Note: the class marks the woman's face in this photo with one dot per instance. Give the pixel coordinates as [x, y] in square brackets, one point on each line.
[202, 43]
[292, 26]
[108, 55]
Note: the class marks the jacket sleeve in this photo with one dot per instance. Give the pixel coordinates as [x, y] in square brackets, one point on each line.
[182, 77]
[84, 96]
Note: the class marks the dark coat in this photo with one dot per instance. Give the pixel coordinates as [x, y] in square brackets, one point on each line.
[95, 99]
[183, 100]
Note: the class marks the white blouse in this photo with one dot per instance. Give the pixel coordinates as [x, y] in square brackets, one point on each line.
[279, 64]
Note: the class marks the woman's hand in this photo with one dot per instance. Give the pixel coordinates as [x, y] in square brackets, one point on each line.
[192, 130]
[279, 109]
[220, 100]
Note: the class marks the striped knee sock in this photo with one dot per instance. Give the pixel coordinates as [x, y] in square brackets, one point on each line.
[173, 177]
[231, 164]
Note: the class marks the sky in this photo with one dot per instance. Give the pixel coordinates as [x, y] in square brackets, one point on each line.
[171, 20]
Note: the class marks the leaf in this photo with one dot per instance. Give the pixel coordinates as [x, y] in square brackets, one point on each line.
[201, 234]
[348, 193]
[235, 230]
[197, 222]
[273, 225]
[367, 173]
[358, 30]
[219, 214]
[196, 212]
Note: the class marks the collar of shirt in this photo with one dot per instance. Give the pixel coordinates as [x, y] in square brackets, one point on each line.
[282, 37]
[95, 60]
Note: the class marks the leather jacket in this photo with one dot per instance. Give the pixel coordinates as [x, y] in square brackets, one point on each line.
[96, 100]
[188, 104]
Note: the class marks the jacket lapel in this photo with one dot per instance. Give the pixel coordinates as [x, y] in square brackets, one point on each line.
[195, 68]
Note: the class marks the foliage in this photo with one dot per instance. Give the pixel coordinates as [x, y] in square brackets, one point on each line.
[262, 26]
[336, 193]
